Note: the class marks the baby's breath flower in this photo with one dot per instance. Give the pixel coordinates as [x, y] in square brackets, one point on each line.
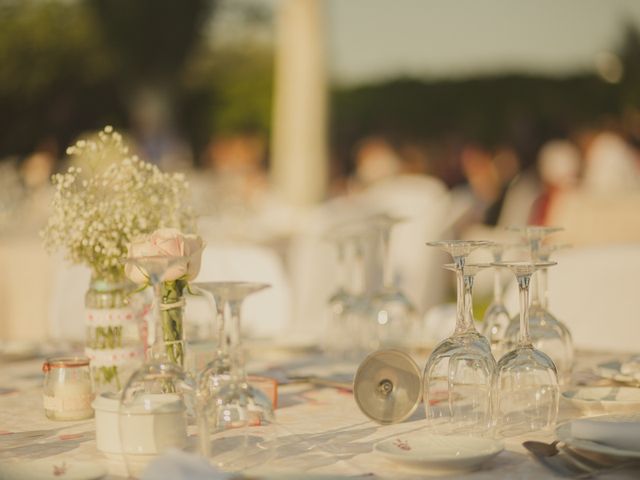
[107, 198]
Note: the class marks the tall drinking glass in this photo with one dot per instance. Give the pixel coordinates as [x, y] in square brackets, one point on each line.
[359, 328]
[336, 343]
[526, 382]
[395, 318]
[459, 373]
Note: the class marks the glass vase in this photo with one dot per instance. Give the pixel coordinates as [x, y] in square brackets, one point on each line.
[113, 333]
[171, 308]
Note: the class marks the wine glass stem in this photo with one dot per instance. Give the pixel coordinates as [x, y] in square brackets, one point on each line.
[358, 285]
[468, 301]
[523, 286]
[237, 352]
[387, 273]
[460, 302]
[543, 291]
[223, 338]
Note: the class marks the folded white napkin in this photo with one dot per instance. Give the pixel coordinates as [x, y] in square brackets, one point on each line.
[178, 465]
[631, 367]
[619, 431]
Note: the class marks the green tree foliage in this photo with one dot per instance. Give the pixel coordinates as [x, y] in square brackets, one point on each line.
[55, 74]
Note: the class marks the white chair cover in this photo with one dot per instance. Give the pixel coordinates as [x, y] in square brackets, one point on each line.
[265, 314]
[425, 203]
[422, 200]
[69, 286]
[594, 291]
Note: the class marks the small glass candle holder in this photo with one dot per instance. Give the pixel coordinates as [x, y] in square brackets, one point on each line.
[67, 388]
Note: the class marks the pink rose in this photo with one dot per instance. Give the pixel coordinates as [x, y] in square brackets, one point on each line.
[167, 242]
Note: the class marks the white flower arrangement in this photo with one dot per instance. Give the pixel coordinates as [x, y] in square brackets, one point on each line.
[109, 197]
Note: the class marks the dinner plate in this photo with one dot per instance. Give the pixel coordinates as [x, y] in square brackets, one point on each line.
[439, 452]
[612, 371]
[613, 399]
[563, 433]
[51, 469]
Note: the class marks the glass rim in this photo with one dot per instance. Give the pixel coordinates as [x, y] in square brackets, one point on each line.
[521, 263]
[65, 361]
[547, 229]
[471, 243]
[479, 266]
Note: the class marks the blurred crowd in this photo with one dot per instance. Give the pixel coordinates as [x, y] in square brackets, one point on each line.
[589, 178]
[589, 183]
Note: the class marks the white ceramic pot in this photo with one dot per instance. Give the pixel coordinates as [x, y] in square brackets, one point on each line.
[158, 422]
[152, 424]
[106, 408]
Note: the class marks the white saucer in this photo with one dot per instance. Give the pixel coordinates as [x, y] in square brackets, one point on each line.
[439, 452]
[51, 469]
[604, 399]
[563, 433]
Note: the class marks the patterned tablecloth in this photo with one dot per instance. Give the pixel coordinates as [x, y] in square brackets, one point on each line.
[329, 417]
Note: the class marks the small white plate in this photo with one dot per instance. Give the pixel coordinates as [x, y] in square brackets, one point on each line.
[612, 371]
[563, 433]
[604, 399]
[51, 469]
[439, 452]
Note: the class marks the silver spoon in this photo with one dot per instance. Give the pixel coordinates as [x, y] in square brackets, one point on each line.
[571, 463]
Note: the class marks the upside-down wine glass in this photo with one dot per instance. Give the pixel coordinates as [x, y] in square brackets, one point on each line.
[526, 384]
[218, 371]
[496, 318]
[238, 417]
[395, 317]
[547, 332]
[358, 326]
[159, 397]
[539, 314]
[459, 373]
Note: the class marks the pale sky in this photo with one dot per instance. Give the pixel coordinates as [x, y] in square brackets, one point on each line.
[374, 39]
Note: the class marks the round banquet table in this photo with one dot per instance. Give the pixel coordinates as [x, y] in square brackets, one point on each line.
[303, 409]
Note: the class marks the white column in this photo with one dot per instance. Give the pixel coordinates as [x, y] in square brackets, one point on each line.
[299, 140]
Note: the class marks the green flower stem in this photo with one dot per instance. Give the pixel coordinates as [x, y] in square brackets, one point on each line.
[172, 329]
[107, 338]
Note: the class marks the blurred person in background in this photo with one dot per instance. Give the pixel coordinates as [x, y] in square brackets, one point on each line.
[375, 159]
[607, 197]
[497, 193]
[234, 196]
[611, 165]
[559, 166]
[156, 138]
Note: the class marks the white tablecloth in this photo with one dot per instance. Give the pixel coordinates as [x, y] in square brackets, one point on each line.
[345, 450]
